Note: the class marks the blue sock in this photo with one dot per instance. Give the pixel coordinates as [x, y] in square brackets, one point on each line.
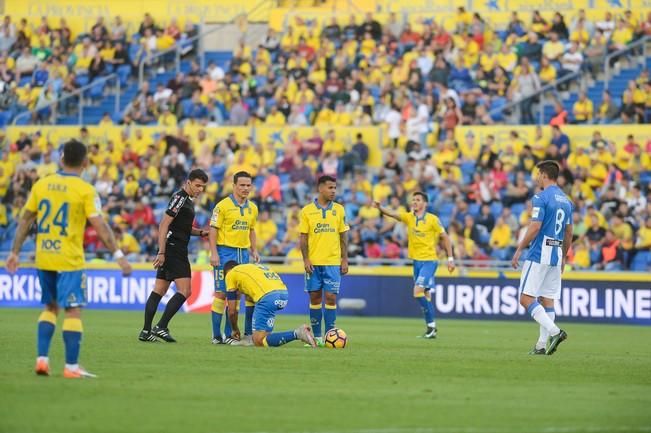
[316, 316]
[330, 316]
[279, 338]
[430, 301]
[216, 323]
[248, 320]
[72, 331]
[427, 308]
[45, 331]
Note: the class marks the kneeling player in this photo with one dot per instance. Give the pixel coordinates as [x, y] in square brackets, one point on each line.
[265, 288]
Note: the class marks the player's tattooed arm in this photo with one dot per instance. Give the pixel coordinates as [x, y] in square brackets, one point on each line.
[25, 223]
[305, 252]
[343, 243]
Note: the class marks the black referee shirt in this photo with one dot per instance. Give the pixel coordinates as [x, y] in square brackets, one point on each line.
[181, 208]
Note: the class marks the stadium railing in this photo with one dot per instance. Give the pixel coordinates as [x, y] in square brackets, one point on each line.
[178, 48]
[81, 95]
[608, 69]
[541, 106]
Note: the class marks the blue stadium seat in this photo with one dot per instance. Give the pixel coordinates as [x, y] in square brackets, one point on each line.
[496, 208]
[517, 209]
[641, 261]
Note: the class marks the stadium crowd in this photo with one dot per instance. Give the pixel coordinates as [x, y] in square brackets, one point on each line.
[42, 63]
[405, 79]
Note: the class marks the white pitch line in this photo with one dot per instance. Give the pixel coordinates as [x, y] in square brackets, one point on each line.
[594, 429]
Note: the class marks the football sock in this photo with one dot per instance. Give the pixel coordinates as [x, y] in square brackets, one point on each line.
[542, 340]
[228, 330]
[46, 324]
[539, 315]
[316, 316]
[150, 309]
[330, 316]
[427, 308]
[248, 318]
[72, 331]
[279, 338]
[216, 314]
[170, 310]
[428, 296]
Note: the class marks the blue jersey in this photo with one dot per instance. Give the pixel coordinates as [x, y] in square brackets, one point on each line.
[554, 210]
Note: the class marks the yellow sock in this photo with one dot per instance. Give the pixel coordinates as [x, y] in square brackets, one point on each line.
[218, 305]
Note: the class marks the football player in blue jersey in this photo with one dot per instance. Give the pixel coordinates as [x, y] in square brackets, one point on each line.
[548, 238]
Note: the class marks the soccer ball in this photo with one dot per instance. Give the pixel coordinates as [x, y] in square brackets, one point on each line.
[335, 339]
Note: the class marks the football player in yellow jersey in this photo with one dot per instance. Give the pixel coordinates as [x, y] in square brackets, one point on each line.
[324, 246]
[263, 287]
[60, 204]
[424, 233]
[232, 237]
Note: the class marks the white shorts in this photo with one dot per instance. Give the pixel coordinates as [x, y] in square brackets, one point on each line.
[540, 280]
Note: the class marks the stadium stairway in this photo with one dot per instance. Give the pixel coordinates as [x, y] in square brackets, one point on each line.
[94, 111]
[617, 86]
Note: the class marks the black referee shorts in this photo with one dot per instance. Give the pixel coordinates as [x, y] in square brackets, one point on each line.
[177, 265]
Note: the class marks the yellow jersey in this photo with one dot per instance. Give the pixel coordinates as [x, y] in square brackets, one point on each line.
[62, 203]
[254, 281]
[323, 227]
[422, 235]
[234, 222]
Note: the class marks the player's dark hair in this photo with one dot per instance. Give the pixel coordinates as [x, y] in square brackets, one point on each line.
[550, 168]
[74, 153]
[423, 195]
[241, 175]
[197, 173]
[229, 265]
[325, 178]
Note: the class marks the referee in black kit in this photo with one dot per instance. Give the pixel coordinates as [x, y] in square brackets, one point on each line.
[172, 260]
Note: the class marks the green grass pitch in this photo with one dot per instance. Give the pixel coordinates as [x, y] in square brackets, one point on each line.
[476, 378]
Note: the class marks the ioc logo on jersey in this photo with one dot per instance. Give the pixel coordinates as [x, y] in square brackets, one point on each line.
[50, 245]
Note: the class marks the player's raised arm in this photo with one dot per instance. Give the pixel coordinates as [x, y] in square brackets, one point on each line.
[108, 238]
[26, 220]
[386, 211]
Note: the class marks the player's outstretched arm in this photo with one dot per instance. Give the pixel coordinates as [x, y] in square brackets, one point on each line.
[386, 211]
[25, 222]
[447, 244]
[108, 238]
[530, 235]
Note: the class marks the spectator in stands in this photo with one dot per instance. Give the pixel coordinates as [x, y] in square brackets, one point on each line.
[583, 109]
[26, 63]
[553, 48]
[97, 67]
[527, 84]
[607, 110]
[531, 49]
[559, 27]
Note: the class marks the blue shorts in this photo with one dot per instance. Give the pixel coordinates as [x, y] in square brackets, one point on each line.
[264, 314]
[327, 278]
[227, 254]
[424, 272]
[67, 289]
